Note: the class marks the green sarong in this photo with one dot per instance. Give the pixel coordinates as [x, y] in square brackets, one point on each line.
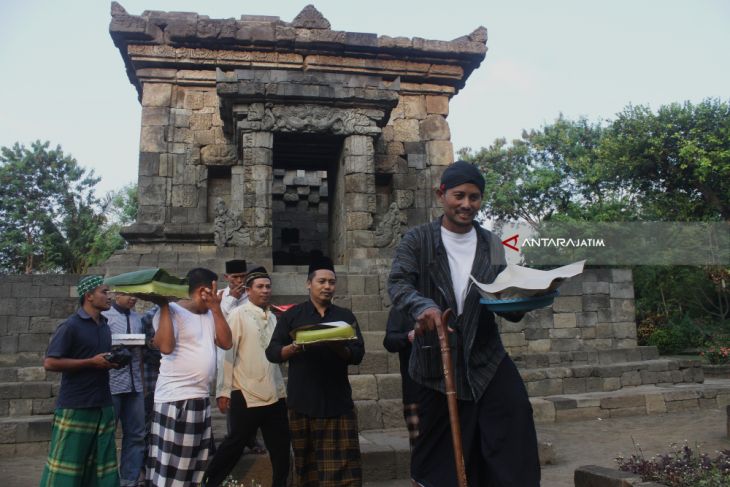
[83, 452]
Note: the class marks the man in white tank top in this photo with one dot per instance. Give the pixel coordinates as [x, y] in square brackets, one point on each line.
[187, 334]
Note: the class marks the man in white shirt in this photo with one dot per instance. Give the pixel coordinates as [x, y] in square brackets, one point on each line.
[234, 295]
[251, 390]
[186, 334]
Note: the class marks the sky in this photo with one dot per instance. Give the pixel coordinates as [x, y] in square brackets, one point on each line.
[64, 81]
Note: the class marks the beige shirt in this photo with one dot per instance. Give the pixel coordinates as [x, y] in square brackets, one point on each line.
[245, 366]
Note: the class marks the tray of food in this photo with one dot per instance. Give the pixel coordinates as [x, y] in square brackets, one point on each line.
[324, 332]
[528, 303]
[128, 339]
[149, 284]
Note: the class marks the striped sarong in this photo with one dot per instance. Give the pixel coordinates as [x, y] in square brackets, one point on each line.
[180, 443]
[83, 452]
[326, 450]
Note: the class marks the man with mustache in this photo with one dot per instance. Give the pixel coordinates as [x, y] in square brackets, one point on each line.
[430, 274]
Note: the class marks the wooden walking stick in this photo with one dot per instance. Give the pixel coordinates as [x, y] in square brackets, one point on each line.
[450, 388]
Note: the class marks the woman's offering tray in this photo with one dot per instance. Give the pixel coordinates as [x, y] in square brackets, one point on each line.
[334, 331]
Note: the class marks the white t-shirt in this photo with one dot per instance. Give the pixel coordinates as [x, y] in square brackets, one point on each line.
[461, 249]
[229, 302]
[189, 370]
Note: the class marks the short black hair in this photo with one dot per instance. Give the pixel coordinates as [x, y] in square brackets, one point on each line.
[200, 277]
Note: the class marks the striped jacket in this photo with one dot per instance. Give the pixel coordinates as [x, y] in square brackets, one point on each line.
[420, 279]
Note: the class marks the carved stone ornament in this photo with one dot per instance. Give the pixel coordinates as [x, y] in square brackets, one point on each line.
[391, 229]
[317, 119]
[229, 230]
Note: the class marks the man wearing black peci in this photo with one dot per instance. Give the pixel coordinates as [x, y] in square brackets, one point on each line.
[322, 416]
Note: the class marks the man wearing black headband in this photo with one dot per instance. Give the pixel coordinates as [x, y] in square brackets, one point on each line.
[430, 274]
[322, 416]
[251, 389]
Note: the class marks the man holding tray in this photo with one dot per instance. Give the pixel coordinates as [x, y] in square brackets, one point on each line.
[186, 334]
[127, 391]
[322, 416]
[430, 274]
[251, 389]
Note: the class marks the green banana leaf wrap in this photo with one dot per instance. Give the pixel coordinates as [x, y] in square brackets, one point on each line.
[322, 333]
[149, 283]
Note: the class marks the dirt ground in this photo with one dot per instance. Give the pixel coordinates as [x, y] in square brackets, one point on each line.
[595, 442]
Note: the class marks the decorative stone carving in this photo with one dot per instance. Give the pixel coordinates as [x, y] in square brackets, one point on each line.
[226, 225]
[391, 228]
[310, 18]
[229, 230]
[317, 119]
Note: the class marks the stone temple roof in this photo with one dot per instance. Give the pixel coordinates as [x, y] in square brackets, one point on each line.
[308, 34]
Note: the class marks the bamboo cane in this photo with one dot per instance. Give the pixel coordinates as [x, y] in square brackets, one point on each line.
[450, 388]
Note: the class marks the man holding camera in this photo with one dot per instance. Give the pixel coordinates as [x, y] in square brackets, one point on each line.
[82, 448]
[127, 391]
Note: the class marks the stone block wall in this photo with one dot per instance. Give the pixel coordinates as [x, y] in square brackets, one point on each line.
[181, 134]
[594, 311]
[414, 148]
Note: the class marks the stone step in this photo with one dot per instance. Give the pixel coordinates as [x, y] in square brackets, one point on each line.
[29, 398]
[632, 401]
[598, 378]
[632, 354]
[25, 434]
[25, 373]
[385, 456]
[20, 359]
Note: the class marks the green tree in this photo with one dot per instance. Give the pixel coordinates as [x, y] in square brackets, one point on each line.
[551, 173]
[675, 161]
[50, 218]
[668, 165]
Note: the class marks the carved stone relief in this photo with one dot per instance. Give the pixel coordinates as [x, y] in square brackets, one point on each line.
[392, 227]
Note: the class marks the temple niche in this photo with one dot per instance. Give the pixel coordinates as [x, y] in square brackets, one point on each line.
[271, 140]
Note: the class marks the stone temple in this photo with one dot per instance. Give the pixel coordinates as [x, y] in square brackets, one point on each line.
[267, 140]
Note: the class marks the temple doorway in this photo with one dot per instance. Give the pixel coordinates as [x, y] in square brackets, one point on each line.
[304, 174]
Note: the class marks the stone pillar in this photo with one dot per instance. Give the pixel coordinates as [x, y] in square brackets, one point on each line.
[359, 198]
[153, 180]
[255, 193]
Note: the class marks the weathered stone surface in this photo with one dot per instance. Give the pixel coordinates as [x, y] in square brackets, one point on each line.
[218, 154]
[156, 95]
[434, 127]
[440, 152]
[438, 105]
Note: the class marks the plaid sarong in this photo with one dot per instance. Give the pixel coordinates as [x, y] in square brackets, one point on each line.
[83, 452]
[410, 414]
[326, 450]
[180, 443]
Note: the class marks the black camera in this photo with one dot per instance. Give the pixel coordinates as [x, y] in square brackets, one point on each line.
[119, 356]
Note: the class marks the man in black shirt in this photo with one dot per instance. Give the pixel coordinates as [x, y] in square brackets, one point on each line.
[399, 335]
[322, 416]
